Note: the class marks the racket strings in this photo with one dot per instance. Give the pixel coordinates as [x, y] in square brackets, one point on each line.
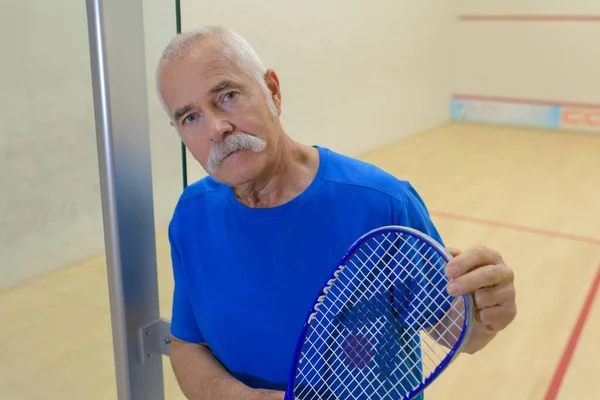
[433, 293]
[385, 325]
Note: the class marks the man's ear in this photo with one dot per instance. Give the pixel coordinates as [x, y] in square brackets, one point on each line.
[171, 123]
[272, 81]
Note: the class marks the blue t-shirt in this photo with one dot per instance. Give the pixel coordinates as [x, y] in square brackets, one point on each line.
[245, 278]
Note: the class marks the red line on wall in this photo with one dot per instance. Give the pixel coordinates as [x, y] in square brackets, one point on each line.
[525, 101]
[530, 18]
[567, 356]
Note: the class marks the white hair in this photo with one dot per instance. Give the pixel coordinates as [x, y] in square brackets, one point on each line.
[248, 60]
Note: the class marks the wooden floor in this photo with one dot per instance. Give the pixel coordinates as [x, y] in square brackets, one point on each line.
[534, 195]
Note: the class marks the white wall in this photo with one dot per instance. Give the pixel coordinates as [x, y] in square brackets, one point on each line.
[545, 60]
[50, 207]
[520, 7]
[355, 76]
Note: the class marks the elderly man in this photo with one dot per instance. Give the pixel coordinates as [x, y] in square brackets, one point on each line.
[253, 242]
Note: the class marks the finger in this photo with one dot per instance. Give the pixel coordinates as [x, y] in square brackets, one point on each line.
[494, 296]
[482, 277]
[453, 251]
[497, 318]
[471, 259]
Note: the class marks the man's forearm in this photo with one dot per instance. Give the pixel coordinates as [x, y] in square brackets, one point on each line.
[202, 377]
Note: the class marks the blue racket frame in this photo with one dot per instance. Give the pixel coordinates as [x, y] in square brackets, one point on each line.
[330, 281]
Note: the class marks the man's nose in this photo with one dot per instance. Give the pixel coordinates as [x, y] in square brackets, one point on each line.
[219, 127]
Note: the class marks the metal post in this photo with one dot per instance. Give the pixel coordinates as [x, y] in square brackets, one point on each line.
[116, 38]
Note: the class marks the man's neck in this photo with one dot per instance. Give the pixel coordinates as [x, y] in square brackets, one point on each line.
[288, 174]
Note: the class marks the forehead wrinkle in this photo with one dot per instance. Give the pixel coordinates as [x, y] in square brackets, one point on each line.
[220, 65]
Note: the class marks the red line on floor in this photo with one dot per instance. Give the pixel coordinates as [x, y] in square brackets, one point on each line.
[531, 18]
[565, 360]
[519, 228]
[569, 350]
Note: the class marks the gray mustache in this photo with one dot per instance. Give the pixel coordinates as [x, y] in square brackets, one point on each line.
[230, 143]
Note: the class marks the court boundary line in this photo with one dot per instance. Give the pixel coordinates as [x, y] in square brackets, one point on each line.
[562, 367]
[529, 18]
[518, 228]
[569, 350]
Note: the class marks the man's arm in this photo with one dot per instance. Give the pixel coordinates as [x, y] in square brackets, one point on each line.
[199, 374]
[202, 377]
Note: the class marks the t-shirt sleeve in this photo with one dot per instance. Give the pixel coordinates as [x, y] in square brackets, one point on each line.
[428, 299]
[414, 214]
[183, 321]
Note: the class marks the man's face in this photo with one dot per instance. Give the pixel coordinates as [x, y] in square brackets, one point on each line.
[216, 107]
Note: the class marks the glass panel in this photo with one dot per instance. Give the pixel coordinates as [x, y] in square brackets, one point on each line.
[55, 334]
[167, 176]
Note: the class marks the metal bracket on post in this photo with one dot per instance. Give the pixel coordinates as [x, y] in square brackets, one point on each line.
[155, 340]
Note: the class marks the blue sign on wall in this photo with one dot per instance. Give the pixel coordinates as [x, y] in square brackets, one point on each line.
[531, 115]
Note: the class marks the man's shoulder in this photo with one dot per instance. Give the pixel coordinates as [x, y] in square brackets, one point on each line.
[203, 194]
[361, 176]
[201, 189]
[196, 201]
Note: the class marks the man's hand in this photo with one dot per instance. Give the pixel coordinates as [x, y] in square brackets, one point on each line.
[263, 394]
[483, 273]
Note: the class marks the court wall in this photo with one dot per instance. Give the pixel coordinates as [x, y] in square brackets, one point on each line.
[528, 62]
[354, 77]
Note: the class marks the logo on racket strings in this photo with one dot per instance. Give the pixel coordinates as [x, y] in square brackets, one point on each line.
[324, 292]
[358, 350]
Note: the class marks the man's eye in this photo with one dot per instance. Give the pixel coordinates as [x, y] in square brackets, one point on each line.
[230, 96]
[190, 118]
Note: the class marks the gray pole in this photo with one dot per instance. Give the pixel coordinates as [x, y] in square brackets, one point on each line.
[116, 37]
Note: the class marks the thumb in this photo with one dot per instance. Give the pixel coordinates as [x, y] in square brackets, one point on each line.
[453, 251]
